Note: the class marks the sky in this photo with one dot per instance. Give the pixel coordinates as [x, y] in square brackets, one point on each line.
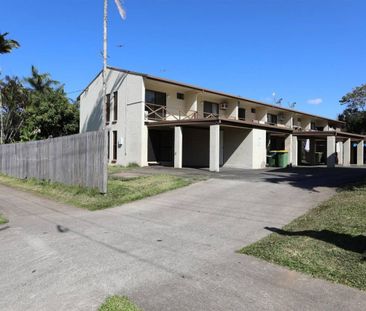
[308, 52]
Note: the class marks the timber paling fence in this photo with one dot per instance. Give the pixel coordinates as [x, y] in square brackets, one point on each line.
[74, 160]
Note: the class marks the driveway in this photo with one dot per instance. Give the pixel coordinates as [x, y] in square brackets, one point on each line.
[174, 251]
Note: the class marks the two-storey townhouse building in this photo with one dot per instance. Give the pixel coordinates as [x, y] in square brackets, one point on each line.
[156, 120]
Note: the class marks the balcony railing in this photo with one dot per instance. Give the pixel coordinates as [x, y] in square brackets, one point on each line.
[160, 113]
[155, 112]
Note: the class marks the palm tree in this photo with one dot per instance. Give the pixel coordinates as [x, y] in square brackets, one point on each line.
[6, 45]
[40, 81]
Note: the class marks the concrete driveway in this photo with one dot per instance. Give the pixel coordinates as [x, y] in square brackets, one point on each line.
[174, 251]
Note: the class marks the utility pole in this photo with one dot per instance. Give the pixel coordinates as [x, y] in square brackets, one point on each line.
[104, 74]
[104, 119]
[1, 121]
[105, 128]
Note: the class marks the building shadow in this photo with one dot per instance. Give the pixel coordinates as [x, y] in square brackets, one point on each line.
[310, 178]
[356, 244]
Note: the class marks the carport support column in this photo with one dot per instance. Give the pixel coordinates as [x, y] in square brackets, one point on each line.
[178, 147]
[347, 152]
[312, 151]
[340, 152]
[214, 148]
[360, 152]
[294, 150]
[331, 151]
[289, 148]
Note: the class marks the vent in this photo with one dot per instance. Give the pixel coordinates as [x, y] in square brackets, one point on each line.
[223, 106]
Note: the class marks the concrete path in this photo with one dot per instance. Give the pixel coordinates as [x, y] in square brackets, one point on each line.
[175, 251]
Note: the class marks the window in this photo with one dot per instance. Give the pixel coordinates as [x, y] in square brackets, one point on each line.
[114, 154]
[155, 98]
[109, 145]
[271, 118]
[180, 96]
[108, 108]
[210, 110]
[115, 100]
[253, 110]
[154, 101]
[312, 125]
[241, 114]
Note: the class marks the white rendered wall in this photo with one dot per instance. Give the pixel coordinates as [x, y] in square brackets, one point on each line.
[245, 148]
[130, 127]
[259, 148]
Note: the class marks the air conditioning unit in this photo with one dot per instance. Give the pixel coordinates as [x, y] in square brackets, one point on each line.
[223, 106]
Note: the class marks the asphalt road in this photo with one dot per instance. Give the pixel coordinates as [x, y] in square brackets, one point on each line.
[174, 251]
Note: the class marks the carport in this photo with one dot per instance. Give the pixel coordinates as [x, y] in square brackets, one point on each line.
[214, 143]
[330, 148]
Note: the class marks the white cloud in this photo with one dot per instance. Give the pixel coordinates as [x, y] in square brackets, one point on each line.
[315, 101]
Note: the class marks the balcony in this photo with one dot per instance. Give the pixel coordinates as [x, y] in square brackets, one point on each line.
[156, 113]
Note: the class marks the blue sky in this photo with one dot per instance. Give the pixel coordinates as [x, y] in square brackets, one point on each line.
[311, 52]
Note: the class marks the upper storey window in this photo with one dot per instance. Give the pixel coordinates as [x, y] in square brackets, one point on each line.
[155, 98]
[108, 108]
[115, 100]
[271, 118]
[241, 114]
[210, 110]
[155, 105]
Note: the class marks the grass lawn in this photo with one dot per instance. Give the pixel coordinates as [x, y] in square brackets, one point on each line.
[118, 303]
[119, 190]
[327, 242]
[112, 169]
[3, 220]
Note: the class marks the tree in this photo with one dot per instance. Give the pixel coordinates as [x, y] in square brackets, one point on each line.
[7, 45]
[49, 113]
[15, 99]
[355, 112]
[40, 81]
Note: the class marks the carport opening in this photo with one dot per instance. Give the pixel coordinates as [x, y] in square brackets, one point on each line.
[161, 147]
[275, 142]
[196, 147]
[312, 152]
[353, 152]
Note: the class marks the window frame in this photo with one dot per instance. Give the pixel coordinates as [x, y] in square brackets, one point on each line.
[241, 109]
[108, 108]
[210, 111]
[114, 146]
[115, 107]
[272, 119]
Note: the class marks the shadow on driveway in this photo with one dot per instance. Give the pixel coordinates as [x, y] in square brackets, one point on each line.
[356, 244]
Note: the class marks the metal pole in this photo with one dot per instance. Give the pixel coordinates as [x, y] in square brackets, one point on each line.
[1, 121]
[104, 119]
[105, 19]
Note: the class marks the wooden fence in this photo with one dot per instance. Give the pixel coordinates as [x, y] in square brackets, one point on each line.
[75, 160]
